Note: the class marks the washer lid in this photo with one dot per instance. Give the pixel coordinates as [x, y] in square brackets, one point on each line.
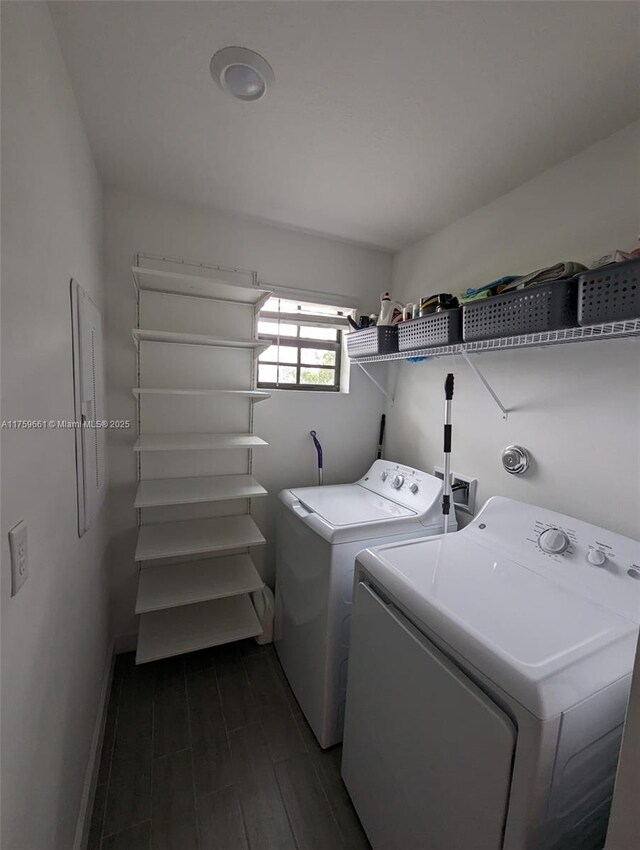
[540, 642]
[349, 504]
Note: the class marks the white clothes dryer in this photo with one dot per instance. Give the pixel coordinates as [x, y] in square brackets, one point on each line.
[488, 681]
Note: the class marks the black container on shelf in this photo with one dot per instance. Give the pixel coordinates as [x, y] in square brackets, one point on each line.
[381, 339]
[609, 294]
[443, 328]
[544, 307]
[435, 303]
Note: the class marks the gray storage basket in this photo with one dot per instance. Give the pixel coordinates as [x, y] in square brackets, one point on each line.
[381, 339]
[545, 307]
[609, 294]
[444, 328]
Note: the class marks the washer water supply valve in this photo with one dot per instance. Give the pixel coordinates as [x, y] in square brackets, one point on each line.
[515, 460]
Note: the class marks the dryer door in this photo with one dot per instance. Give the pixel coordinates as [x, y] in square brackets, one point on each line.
[427, 756]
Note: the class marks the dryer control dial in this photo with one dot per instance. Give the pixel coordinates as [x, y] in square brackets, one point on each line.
[384, 475]
[397, 481]
[414, 488]
[596, 556]
[553, 541]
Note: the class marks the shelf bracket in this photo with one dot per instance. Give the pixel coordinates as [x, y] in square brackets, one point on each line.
[485, 383]
[373, 381]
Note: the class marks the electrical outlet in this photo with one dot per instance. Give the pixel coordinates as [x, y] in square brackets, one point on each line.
[464, 490]
[18, 548]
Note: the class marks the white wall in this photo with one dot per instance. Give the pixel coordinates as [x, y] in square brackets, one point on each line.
[55, 637]
[575, 407]
[347, 424]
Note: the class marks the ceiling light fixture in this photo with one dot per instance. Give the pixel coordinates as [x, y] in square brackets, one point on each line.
[242, 73]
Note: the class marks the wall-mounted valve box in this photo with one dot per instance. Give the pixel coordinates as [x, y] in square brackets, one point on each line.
[463, 490]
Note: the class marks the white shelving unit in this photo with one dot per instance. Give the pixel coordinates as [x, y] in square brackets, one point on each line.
[205, 488]
[196, 442]
[196, 537]
[589, 333]
[171, 337]
[206, 599]
[169, 283]
[254, 395]
[185, 628]
[609, 330]
[197, 581]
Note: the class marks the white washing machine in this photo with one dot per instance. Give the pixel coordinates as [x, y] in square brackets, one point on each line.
[321, 531]
[488, 680]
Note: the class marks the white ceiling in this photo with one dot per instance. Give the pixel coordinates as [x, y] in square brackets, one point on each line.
[387, 121]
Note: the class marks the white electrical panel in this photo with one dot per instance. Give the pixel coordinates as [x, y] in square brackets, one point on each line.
[88, 380]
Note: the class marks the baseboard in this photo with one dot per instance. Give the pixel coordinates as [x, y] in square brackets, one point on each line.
[91, 776]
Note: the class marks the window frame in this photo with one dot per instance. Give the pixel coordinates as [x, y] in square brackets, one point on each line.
[300, 343]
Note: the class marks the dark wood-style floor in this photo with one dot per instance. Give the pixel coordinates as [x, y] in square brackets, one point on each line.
[210, 751]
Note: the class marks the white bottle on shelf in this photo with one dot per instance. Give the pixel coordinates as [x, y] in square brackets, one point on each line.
[390, 311]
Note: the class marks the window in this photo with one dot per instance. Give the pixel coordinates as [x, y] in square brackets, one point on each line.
[306, 344]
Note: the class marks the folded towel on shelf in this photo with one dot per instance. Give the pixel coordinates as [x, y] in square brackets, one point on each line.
[559, 271]
[493, 288]
[511, 283]
[484, 293]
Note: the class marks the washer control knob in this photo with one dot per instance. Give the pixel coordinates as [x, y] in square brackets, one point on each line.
[596, 556]
[384, 475]
[398, 481]
[414, 488]
[553, 541]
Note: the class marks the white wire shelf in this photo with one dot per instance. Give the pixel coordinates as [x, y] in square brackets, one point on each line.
[196, 537]
[206, 488]
[196, 442]
[175, 631]
[608, 330]
[254, 395]
[169, 283]
[173, 585]
[144, 335]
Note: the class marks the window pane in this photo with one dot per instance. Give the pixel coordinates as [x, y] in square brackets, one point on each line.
[277, 328]
[287, 362]
[326, 377]
[267, 374]
[280, 354]
[317, 357]
[307, 332]
[287, 374]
